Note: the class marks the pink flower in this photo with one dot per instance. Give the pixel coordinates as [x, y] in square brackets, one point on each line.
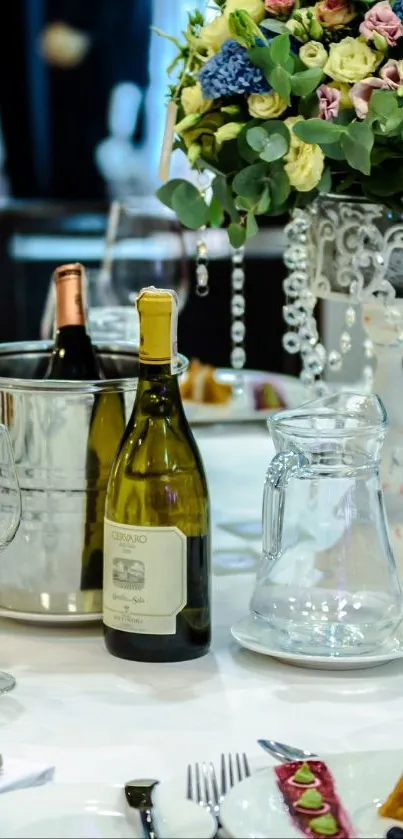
[392, 72]
[382, 20]
[362, 91]
[333, 14]
[329, 100]
[279, 8]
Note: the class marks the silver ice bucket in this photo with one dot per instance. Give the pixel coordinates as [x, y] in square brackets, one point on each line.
[41, 571]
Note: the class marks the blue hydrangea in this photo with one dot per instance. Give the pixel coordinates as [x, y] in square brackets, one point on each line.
[230, 73]
[398, 8]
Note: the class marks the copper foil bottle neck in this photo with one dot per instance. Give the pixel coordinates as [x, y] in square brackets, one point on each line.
[68, 281]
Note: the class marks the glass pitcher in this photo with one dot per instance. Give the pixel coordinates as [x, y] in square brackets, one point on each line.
[327, 582]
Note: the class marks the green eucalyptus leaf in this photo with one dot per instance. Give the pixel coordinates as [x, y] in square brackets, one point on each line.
[166, 191]
[333, 150]
[244, 203]
[325, 183]
[276, 126]
[357, 144]
[236, 235]
[289, 64]
[244, 149]
[257, 138]
[250, 182]
[223, 193]
[216, 213]
[260, 57]
[280, 186]
[276, 147]
[280, 49]
[190, 208]
[280, 80]
[263, 205]
[252, 226]
[306, 81]
[274, 25]
[382, 104]
[318, 131]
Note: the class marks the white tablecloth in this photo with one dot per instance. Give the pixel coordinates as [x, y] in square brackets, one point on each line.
[99, 718]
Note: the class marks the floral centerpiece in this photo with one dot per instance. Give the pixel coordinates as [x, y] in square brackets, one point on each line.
[285, 99]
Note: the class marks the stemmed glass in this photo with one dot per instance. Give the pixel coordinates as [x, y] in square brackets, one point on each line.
[10, 512]
[144, 246]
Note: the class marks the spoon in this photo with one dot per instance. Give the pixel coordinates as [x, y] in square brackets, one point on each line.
[138, 796]
[284, 753]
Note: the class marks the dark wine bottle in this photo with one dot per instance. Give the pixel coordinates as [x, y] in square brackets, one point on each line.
[156, 602]
[73, 356]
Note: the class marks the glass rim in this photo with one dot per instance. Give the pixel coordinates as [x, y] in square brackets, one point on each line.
[287, 420]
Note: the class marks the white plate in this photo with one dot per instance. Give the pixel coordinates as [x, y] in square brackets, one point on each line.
[256, 636]
[82, 811]
[242, 409]
[54, 620]
[254, 809]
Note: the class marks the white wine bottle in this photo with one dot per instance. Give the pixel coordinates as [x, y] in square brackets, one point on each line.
[73, 357]
[156, 596]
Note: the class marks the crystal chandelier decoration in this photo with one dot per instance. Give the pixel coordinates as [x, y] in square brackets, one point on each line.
[238, 308]
[347, 250]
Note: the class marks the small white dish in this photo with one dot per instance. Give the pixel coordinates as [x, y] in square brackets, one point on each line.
[255, 635]
[82, 811]
[53, 620]
[254, 809]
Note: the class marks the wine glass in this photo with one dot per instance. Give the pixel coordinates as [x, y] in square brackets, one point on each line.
[144, 246]
[10, 512]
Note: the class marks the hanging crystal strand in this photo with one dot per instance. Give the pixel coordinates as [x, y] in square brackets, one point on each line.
[202, 275]
[298, 312]
[238, 328]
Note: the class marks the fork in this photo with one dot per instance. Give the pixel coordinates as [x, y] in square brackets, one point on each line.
[202, 785]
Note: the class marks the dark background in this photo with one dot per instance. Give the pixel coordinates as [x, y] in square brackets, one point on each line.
[52, 118]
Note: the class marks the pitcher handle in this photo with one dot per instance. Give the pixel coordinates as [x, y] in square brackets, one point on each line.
[282, 467]
[9, 486]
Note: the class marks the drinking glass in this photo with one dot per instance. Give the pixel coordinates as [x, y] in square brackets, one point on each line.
[144, 246]
[10, 513]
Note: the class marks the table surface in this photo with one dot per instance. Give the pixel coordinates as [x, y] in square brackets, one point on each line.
[96, 717]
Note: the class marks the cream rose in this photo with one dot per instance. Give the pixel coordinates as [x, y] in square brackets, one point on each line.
[214, 34]
[351, 61]
[304, 162]
[255, 8]
[266, 105]
[313, 54]
[192, 100]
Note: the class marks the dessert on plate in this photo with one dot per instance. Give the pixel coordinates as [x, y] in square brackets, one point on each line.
[200, 385]
[309, 791]
[392, 808]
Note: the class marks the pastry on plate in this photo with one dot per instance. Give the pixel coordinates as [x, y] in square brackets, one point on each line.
[267, 397]
[392, 808]
[200, 385]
